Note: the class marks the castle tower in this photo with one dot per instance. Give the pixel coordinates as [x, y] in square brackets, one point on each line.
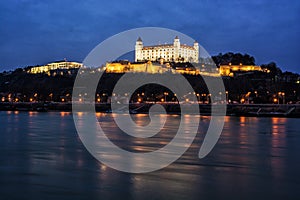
[176, 48]
[138, 50]
[196, 56]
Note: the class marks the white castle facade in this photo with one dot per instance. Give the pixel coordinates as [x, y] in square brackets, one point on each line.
[175, 52]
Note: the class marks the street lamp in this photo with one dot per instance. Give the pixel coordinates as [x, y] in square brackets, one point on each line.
[226, 97]
[198, 98]
[208, 97]
[166, 93]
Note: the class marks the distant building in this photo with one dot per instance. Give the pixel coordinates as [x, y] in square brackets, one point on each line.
[157, 68]
[146, 67]
[231, 70]
[60, 65]
[175, 52]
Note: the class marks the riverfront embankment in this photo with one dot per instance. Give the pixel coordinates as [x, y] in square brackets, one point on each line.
[280, 110]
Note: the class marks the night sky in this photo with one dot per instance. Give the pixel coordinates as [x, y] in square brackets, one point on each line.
[35, 32]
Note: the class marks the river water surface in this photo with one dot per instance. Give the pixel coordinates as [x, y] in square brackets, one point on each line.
[42, 157]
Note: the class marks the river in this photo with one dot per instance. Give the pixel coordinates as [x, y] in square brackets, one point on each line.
[42, 157]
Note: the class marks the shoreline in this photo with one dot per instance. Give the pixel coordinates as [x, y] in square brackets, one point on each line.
[255, 110]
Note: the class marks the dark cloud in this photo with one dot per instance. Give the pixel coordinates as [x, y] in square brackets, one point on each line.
[35, 32]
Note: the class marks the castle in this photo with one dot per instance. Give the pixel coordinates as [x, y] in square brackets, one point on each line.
[175, 52]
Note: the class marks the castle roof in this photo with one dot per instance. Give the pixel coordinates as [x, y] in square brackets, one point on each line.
[186, 46]
[139, 39]
[167, 46]
[157, 46]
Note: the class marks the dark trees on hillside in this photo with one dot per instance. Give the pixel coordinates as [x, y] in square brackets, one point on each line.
[233, 58]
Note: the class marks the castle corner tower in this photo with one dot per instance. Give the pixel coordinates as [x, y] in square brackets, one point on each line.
[138, 50]
[196, 56]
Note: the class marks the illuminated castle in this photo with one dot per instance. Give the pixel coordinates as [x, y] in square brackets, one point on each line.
[175, 52]
[231, 70]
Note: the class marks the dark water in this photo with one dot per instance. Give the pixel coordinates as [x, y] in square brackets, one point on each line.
[41, 157]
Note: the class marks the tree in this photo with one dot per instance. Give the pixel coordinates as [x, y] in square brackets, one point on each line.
[274, 70]
[233, 58]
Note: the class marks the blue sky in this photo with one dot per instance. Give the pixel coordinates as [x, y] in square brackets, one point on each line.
[36, 32]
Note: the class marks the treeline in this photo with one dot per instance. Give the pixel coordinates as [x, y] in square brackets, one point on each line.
[245, 59]
[233, 58]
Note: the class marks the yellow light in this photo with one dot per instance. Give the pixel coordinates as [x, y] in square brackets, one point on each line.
[186, 99]
[62, 99]
[16, 99]
[31, 99]
[98, 99]
[80, 99]
[275, 100]
[3, 99]
[139, 100]
[162, 100]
